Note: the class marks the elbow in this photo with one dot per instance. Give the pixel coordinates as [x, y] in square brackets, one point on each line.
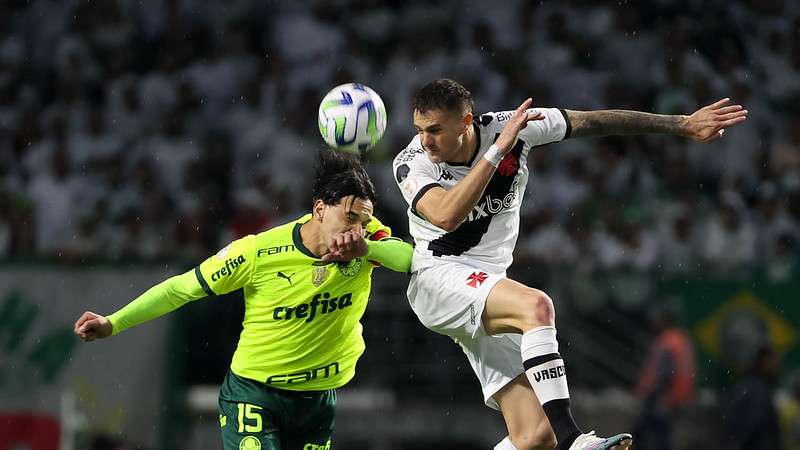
[447, 223]
[449, 226]
[443, 217]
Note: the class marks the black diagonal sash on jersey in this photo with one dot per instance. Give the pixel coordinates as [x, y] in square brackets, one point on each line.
[469, 233]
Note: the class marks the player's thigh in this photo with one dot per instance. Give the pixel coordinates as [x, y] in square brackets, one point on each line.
[247, 426]
[449, 298]
[312, 417]
[495, 360]
[512, 307]
[525, 419]
[314, 441]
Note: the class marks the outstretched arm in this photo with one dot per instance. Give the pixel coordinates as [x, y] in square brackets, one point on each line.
[161, 299]
[707, 124]
[230, 269]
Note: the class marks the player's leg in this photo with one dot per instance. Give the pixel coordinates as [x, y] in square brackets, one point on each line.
[248, 416]
[310, 418]
[449, 299]
[512, 307]
[528, 427]
[495, 361]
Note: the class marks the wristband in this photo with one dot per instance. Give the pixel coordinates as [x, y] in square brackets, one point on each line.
[493, 155]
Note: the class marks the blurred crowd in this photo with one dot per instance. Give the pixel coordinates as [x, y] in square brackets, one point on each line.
[149, 129]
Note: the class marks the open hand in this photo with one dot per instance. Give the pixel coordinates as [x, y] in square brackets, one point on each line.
[345, 246]
[519, 120]
[91, 326]
[708, 123]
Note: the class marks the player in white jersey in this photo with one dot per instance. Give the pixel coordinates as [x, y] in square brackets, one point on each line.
[464, 178]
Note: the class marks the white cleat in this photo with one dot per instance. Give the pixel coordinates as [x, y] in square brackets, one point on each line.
[588, 441]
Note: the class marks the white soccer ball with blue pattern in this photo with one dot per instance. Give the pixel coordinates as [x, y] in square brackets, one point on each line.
[352, 118]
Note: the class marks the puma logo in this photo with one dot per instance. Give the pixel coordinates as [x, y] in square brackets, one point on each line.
[288, 278]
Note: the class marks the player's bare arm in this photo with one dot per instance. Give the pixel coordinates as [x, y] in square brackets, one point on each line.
[707, 124]
[447, 209]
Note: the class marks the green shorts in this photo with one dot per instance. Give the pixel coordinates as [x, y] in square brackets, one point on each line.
[254, 416]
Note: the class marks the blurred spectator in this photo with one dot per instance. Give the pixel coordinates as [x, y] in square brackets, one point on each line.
[784, 155]
[751, 418]
[678, 244]
[773, 220]
[570, 185]
[250, 215]
[548, 242]
[666, 385]
[53, 194]
[783, 265]
[729, 239]
[125, 110]
[639, 242]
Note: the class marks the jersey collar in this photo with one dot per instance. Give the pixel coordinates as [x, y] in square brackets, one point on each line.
[474, 154]
[298, 241]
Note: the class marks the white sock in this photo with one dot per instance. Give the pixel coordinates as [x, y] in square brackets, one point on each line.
[505, 444]
[543, 365]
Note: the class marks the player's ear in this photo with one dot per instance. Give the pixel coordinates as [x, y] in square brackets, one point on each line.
[318, 210]
[467, 120]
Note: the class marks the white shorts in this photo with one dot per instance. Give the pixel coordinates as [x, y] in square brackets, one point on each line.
[449, 299]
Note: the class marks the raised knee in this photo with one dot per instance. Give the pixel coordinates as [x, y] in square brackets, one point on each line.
[539, 309]
[546, 438]
[535, 440]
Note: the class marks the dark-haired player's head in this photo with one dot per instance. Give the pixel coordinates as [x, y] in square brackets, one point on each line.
[343, 194]
[443, 94]
[442, 116]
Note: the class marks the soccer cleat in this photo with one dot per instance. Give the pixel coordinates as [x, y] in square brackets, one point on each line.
[588, 441]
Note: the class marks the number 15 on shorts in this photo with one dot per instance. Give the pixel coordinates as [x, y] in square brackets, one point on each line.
[250, 414]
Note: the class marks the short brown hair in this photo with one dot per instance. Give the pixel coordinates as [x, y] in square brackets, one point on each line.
[443, 94]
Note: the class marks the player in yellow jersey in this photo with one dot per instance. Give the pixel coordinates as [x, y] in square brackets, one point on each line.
[306, 285]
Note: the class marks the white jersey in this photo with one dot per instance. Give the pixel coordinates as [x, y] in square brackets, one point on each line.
[486, 239]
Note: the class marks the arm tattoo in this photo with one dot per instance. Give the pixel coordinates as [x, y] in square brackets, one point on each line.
[622, 122]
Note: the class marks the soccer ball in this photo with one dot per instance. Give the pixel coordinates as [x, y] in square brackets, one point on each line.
[352, 118]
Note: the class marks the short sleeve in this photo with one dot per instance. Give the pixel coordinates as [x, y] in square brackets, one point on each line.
[554, 127]
[230, 269]
[414, 175]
